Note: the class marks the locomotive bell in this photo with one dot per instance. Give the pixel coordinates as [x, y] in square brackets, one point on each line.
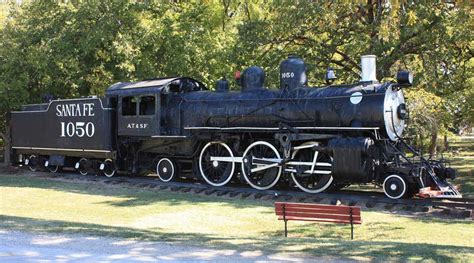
[330, 76]
[292, 73]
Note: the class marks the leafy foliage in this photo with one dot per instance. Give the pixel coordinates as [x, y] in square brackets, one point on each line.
[75, 49]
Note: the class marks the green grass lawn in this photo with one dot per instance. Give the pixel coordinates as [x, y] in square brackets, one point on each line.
[41, 205]
[462, 158]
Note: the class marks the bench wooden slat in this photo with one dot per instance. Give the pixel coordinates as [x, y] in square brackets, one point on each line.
[309, 205]
[358, 222]
[344, 211]
[319, 215]
[337, 209]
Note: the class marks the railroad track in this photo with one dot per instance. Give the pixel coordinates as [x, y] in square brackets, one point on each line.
[451, 207]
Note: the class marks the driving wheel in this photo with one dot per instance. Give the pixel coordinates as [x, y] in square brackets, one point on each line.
[261, 166]
[216, 163]
[311, 170]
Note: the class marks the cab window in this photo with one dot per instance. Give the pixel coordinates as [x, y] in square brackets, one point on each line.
[129, 106]
[147, 105]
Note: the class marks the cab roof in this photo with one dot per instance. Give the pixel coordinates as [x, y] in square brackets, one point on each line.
[160, 85]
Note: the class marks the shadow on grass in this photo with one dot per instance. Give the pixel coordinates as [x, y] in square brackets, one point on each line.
[135, 196]
[322, 247]
[465, 177]
[461, 159]
[330, 230]
[132, 196]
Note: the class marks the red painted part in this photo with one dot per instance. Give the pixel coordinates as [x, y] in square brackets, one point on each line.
[356, 222]
[427, 192]
[335, 209]
[318, 213]
[320, 216]
[237, 74]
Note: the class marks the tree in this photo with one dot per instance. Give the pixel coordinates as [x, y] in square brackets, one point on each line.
[431, 39]
[81, 48]
[74, 49]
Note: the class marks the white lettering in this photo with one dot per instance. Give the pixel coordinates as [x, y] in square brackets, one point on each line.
[78, 129]
[58, 111]
[66, 111]
[286, 75]
[90, 129]
[70, 129]
[78, 110]
[75, 110]
[137, 125]
[62, 130]
[91, 109]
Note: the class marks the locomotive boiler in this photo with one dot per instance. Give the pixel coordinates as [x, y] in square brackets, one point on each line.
[313, 138]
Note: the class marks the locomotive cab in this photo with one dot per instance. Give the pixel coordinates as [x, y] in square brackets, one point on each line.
[139, 104]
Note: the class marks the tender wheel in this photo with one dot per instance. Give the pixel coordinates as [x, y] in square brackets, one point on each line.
[216, 163]
[32, 163]
[165, 169]
[82, 169]
[109, 168]
[395, 186]
[53, 168]
[260, 165]
[311, 170]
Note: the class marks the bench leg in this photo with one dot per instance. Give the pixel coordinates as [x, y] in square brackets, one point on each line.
[352, 224]
[352, 231]
[284, 219]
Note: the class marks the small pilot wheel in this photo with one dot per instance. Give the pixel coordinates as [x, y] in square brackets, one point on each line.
[109, 168]
[165, 169]
[32, 163]
[260, 165]
[216, 163]
[309, 178]
[82, 169]
[394, 186]
[53, 168]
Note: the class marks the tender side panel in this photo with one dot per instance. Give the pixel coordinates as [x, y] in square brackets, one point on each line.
[79, 124]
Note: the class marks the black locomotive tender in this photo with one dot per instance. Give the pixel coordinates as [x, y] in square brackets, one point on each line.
[316, 139]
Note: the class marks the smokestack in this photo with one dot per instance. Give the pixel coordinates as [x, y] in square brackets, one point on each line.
[368, 68]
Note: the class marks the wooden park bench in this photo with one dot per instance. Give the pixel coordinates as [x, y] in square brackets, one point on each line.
[319, 213]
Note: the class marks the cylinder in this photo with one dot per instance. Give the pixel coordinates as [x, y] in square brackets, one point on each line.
[368, 64]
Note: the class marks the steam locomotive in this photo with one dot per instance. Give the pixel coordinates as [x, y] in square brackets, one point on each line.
[314, 138]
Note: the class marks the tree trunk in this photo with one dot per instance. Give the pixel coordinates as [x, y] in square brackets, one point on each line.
[433, 143]
[446, 143]
[6, 142]
[421, 145]
[6, 148]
